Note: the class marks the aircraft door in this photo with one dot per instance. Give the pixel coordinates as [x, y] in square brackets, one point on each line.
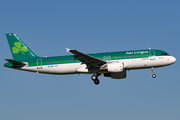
[39, 63]
[152, 55]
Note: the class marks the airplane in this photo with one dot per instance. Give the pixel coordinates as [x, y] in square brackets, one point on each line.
[110, 64]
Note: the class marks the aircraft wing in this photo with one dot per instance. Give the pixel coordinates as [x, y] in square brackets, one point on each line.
[90, 61]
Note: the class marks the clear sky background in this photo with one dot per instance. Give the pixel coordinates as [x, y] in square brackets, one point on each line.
[90, 26]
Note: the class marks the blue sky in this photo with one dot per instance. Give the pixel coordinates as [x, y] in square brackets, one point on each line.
[47, 27]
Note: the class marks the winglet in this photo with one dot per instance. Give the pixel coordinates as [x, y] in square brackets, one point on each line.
[67, 49]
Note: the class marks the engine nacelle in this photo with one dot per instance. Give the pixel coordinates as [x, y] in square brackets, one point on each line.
[119, 75]
[115, 67]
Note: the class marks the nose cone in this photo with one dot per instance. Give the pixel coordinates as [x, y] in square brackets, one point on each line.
[173, 59]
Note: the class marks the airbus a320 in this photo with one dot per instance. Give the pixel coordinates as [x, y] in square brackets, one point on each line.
[110, 64]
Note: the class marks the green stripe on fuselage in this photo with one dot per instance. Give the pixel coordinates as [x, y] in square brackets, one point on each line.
[103, 56]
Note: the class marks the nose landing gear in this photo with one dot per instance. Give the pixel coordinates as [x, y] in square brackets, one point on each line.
[153, 75]
[95, 79]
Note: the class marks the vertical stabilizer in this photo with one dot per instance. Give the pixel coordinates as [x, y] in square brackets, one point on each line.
[18, 49]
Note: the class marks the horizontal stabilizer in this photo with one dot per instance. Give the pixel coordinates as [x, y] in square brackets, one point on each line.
[15, 62]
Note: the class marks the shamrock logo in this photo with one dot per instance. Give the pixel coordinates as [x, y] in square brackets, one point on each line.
[18, 47]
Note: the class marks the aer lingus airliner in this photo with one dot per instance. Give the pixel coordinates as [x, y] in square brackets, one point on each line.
[110, 64]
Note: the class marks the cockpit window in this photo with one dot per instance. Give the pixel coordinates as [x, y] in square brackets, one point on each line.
[164, 54]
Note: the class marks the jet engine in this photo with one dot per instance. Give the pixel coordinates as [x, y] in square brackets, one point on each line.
[115, 70]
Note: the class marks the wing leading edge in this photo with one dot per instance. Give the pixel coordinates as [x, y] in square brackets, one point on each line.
[90, 61]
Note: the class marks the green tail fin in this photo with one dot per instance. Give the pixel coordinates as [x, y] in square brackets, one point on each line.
[18, 49]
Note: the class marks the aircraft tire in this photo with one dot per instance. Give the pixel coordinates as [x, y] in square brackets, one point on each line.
[154, 75]
[96, 82]
[93, 77]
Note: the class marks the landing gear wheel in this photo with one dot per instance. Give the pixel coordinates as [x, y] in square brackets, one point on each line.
[94, 77]
[96, 81]
[154, 75]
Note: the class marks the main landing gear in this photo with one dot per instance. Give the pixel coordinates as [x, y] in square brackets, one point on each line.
[153, 75]
[95, 79]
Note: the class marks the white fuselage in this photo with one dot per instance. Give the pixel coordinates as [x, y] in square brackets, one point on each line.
[73, 68]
